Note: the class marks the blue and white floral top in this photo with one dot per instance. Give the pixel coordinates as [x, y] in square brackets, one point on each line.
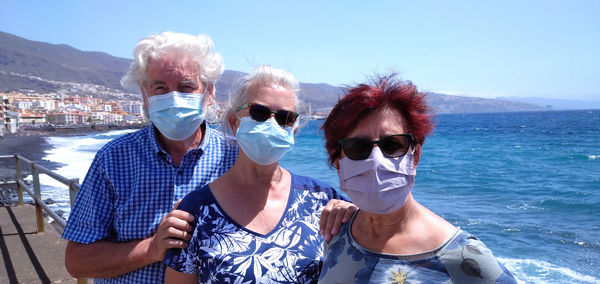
[222, 251]
[461, 259]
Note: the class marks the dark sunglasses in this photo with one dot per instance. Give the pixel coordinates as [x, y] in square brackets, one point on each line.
[392, 146]
[261, 113]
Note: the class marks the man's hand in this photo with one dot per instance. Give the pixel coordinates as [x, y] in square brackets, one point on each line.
[174, 231]
[334, 214]
[103, 259]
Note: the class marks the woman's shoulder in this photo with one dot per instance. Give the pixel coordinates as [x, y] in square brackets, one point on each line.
[196, 198]
[306, 182]
[467, 258]
[315, 186]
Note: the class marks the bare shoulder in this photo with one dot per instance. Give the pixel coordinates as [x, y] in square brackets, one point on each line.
[434, 227]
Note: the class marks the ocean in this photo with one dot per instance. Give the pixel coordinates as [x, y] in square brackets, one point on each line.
[526, 184]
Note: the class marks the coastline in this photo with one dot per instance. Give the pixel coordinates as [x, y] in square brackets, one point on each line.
[32, 145]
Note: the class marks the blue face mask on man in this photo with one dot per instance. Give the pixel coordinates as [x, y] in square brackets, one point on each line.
[176, 115]
[264, 142]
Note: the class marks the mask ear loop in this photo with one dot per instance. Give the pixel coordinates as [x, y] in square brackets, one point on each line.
[411, 150]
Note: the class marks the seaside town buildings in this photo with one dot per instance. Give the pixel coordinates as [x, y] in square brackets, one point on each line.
[29, 110]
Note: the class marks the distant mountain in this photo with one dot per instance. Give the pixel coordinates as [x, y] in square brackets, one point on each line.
[558, 104]
[56, 62]
[44, 67]
[460, 104]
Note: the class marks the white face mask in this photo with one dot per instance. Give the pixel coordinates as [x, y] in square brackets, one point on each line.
[176, 115]
[378, 184]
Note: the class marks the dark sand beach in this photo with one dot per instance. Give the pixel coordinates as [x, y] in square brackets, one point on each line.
[29, 145]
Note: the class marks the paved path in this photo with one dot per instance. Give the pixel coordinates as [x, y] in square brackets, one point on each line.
[27, 256]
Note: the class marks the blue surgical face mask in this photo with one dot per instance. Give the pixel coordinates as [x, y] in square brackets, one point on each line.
[176, 115]
[264, 142]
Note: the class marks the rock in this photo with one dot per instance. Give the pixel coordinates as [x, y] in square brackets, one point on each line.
[60, 213]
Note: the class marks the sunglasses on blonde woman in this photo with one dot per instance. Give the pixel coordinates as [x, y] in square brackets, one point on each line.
[261, 113]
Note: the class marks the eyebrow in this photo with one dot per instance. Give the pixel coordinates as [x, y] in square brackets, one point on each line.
[156, 82]
[189, 81]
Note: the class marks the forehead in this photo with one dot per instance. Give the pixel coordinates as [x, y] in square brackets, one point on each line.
[381, 123]
[170, 67]
[273, 96]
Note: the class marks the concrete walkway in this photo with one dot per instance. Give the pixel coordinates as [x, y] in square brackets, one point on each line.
[28, 256]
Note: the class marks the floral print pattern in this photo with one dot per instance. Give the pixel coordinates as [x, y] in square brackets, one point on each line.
[462, 259]
[222, 251]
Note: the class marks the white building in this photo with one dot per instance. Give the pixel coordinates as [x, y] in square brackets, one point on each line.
[135, 108]
[23, 105]
[76, 108]
[68, 118]
[131, 119]
[48, 105]
[116, 118]
[99, 117]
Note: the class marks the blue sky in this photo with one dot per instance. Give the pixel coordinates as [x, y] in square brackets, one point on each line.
[521, 48]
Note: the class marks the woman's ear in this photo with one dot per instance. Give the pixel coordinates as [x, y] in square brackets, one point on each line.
[336, 164]
[233, 123]
[209, 95]
[418, 154]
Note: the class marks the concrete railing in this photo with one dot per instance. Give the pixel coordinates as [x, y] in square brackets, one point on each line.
[36, 194]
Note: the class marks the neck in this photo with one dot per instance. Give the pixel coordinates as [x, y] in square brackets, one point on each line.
[382, 225]
[177, 149]
[264, 178]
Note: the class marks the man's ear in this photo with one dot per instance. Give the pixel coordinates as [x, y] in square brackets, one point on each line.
[336, 164]
[145, 100]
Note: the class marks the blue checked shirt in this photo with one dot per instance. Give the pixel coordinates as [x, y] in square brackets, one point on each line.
[132, 184]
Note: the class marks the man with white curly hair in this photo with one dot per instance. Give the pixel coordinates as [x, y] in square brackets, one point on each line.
[125, 217]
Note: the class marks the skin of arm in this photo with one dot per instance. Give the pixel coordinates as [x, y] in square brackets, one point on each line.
[104, 259]
[176, 277]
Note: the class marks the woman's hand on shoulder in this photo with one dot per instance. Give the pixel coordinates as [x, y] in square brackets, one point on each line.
[335, 213]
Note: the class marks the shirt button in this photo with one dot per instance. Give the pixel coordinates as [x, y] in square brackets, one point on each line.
[179, 172]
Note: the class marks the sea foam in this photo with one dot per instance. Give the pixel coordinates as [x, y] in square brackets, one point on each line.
[538, 271]
[75, 154]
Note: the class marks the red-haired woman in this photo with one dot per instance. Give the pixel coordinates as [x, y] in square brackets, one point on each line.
[373, 137]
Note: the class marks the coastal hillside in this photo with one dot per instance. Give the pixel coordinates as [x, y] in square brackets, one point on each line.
[33, 66]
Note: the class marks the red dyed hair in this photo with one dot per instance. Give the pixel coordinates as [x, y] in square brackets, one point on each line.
[364, 99]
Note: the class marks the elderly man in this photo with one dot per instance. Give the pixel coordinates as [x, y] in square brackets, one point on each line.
[122, 222]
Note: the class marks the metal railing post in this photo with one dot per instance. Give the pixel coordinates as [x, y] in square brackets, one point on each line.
[73, 186]
[37, 196]
[19, 188]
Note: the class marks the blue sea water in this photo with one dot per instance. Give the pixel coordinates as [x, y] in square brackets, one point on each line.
[527, 184]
